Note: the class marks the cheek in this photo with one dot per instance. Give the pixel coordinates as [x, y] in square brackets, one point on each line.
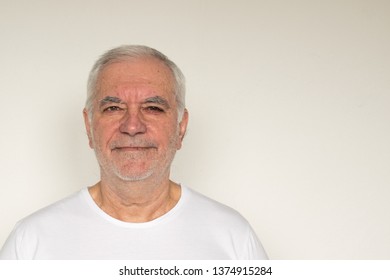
[101, 134]
[164, 136]
[174, 137]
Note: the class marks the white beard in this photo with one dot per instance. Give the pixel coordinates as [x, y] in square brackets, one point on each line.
[158, 164]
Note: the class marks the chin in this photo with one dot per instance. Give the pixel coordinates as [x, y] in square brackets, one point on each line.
[131, 172]
[134, 175]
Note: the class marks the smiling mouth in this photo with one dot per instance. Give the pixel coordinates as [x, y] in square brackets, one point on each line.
[132, 149]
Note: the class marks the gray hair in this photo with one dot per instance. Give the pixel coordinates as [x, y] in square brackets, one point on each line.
[127, 52]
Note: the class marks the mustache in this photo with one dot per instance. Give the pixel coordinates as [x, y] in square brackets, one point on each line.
[134, 143]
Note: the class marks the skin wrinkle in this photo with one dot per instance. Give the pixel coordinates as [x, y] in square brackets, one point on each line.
[133, 53]
[152, 100]
[135, 185]
[110, 99]
[173, 89]
[129, 156]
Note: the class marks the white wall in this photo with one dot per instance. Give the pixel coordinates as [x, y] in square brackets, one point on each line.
[289, 104]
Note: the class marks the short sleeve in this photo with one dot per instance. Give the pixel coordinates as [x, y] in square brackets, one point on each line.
[254, 249]
[17, 246]
[9, 249]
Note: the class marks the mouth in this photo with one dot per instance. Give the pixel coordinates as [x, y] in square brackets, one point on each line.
[132, 146]
[132, 149]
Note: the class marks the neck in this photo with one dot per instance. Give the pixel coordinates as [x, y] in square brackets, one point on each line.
[136, 202]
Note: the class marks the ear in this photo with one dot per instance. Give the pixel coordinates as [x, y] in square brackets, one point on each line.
[182, 128]
[88, 127]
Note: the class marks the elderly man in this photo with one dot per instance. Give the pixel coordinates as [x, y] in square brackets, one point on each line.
[135, 119]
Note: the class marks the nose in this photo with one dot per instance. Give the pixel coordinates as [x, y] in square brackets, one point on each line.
[132, 123]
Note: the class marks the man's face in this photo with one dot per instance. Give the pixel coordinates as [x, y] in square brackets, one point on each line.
[134, 128]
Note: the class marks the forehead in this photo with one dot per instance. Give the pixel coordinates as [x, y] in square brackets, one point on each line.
[146, 71]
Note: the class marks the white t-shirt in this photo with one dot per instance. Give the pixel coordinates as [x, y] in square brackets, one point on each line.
[76, 228]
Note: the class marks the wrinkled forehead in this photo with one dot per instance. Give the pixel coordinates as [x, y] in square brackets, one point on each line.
[136, 71]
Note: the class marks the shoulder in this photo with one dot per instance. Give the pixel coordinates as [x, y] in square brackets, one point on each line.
[23, 241]
[211, 210]
[52, 213]
[226, 226]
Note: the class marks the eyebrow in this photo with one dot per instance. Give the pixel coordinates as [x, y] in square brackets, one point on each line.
[110, 99]
[157, 100]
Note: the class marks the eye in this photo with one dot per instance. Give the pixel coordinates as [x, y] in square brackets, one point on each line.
[112, 109]
[154, 109]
